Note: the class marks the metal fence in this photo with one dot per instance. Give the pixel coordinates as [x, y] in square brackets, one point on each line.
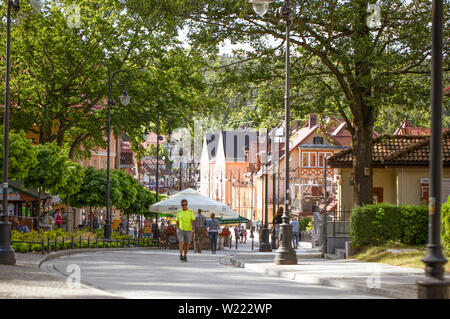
[338, 223]
[47, 245]
[305, 236]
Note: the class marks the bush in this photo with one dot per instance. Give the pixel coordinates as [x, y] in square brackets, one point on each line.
[23, 248]
[375, 224]
[305, 223]
[445, 224]
[414, 225]
[36, 247]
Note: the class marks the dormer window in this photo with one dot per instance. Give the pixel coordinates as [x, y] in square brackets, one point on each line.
[318, 140]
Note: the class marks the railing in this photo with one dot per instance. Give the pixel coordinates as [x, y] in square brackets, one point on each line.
[306, 236]
[338, 223]
[47, 245]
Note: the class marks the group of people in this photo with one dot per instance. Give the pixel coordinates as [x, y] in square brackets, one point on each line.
[277, 221]
[240, 234]
[18, 225]
[49, 221]
[188, 225]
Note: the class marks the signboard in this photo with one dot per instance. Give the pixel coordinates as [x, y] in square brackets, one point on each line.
[126, 160]
[12, 194]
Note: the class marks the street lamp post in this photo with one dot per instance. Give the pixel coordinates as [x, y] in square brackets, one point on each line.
[124, 99]
[264, 245]
[7, 255]
[435, 286]
[181, 182]
[285, 254]
[325, 217]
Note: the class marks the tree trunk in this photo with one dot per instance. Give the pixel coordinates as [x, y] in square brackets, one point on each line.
[362, 165]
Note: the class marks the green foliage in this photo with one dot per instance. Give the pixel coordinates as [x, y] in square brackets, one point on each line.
[305, 224]
[415, 225]
[21, 157]
[383, 224]
[20, 247]
[49, 173]
[36, 247]
[128, 189]
[445, 224]
[339, 67]
[141, 204]
[73, 180]
[92, 192]
[60, 74]
[375, 224]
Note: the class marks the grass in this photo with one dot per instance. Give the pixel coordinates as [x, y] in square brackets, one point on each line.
[411, 259]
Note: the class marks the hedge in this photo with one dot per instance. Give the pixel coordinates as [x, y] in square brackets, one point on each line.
[415, 225]
[375, 224]
[445, 224]
[379, 223]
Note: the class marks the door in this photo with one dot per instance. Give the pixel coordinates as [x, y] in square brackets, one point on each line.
[377, 195]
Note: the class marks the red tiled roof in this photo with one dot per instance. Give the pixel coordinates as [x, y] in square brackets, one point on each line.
[397, 150]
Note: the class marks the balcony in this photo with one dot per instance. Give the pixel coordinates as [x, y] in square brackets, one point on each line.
[303, 205]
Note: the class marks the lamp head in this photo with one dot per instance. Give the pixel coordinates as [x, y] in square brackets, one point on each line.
[37, 4]
[260, 6]
[125, 98]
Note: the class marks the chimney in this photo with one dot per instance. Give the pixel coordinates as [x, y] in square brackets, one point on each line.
[312, 120]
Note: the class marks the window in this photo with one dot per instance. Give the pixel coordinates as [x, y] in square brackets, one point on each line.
[309, 159]
[305, 159]
[321, 156]
[318, 140]
[312, 159]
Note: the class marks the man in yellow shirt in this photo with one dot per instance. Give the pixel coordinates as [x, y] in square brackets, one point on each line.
[185, 227]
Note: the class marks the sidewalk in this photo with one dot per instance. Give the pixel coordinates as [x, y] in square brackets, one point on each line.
[26, 280]
[380, 279]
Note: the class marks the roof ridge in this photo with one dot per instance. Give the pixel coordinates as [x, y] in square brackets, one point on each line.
[425, 141]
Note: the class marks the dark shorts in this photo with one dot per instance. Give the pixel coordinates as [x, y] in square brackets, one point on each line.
[184, 236]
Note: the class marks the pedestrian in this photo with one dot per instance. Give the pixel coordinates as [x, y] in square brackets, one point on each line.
[94, 221]
[242, 234]
[213, 232]
[258, 225]
[245, 236]
[236, 233]
[295, 232]
[185, 227]
[58, 219]
[135, 231]
[155, 231]
[277, 221]
[200, 229]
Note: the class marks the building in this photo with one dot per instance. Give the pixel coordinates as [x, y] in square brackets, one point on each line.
[309, 145]
[226, 158]
[400, 170]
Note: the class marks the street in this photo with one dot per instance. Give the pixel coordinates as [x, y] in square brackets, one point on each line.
[159, 274]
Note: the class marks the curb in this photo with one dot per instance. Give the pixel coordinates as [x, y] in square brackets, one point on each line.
[86, 250]
[391, 293]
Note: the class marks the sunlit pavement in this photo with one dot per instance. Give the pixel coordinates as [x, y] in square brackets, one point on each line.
[160, 274]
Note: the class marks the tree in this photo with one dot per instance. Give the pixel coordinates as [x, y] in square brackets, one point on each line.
[74, 180]
[21, 157]
[92, 192]
[50, 171]
[339, 65]
[59, 79]
[144, 198]
[128, 187]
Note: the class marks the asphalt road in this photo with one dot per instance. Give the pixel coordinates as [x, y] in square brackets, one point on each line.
[159, 274]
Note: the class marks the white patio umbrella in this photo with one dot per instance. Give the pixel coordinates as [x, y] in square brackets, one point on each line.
[195, 201]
